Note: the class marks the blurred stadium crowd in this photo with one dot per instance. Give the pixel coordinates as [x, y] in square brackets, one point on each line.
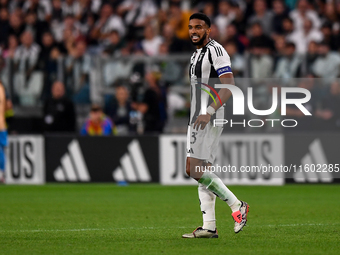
[54, 45]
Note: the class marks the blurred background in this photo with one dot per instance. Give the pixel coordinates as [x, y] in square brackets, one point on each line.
[67, 64]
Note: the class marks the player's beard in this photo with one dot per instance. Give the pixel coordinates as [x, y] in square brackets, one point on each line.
[200, 42]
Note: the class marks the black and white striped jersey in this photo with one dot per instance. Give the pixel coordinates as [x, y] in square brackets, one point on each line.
[207, 64]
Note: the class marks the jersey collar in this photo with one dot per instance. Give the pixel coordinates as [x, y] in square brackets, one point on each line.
[210, 42]
[199, 50]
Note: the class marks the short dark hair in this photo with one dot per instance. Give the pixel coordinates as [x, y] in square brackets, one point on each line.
[201, 16]
[96, 108]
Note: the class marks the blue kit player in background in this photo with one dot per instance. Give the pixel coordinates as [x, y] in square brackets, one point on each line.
[210, 63]
[3, 132]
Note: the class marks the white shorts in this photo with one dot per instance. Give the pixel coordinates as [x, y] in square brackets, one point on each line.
[203, 144]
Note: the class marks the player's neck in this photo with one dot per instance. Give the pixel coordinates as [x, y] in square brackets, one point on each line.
[204, 43]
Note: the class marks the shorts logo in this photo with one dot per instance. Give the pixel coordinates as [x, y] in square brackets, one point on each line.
[190, 151]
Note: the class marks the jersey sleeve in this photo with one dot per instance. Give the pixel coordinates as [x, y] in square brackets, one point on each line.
[220, 60]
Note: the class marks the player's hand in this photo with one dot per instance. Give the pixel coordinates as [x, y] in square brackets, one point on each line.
[202, 121]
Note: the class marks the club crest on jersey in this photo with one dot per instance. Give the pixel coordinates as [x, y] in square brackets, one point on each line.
[201, 56]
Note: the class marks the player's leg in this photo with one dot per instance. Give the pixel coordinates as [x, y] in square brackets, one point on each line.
[212, 182]
[205, 146]
[215, 185]
[239, 208]
[207, 199]
[207, 203]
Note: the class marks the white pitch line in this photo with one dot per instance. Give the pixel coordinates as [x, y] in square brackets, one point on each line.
[139, 228]
[85, 229]
[297, 225]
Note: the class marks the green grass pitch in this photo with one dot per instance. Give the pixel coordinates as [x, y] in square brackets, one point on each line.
[149, 219]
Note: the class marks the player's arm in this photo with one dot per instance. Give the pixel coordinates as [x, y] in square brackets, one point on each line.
[221, 62]
[222, 65]
[224, 93]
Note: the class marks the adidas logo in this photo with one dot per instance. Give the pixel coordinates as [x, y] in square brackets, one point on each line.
[73, 167]
[316, 155]
[190, 151]
[133, 165]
